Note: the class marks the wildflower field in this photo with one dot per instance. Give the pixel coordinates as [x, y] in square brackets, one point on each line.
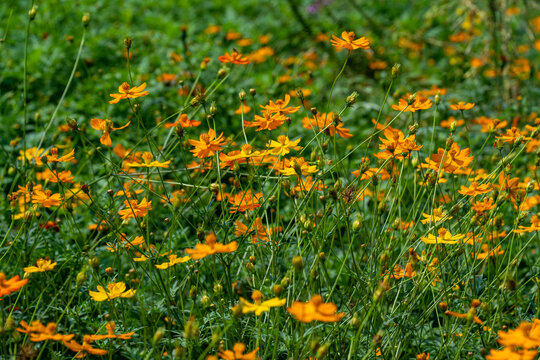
[311, 179]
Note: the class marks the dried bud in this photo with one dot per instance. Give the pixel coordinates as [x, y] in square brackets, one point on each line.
[222, 72]
[314, 110]
[443, 306]
[411, 99]
[128, 42]
[395, 70]
[93, 262]
[252, 92]
[277, 289]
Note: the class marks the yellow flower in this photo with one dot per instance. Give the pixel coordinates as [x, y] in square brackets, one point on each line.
[173, 260]
[127, 92]
[114, 290]
[42, 265]
[283, 145]
[445, 237]
[259, 307]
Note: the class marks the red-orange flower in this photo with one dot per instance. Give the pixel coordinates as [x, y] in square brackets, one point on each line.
[126, 92]
[234, 58]
[9, 286]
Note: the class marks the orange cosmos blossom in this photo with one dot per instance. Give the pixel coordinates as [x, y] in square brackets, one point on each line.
[297, 166]
[461, 105]
[126, 92]
[208, 144]
[348, 42]
[83, 349]
[268, 121]
[46, 198]
[234, 58]
[114, 290]
[315, 309]
[183, 121]
[106, 127]
[238, 352]
[135, 208]
[475, 189]
[211, 247]
[419, 103]
[454, 160]
[110, 326]
[327, 122]
[245, 200]
[12, 285]
[39, 332]
[280, 106]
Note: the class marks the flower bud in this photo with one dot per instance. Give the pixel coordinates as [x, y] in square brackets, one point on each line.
[242, 95]
[351, 99]
[32, 13]
[86, 19]
[298, 263]
[158, 335]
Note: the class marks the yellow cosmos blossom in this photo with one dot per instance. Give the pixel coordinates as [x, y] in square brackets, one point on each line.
[173, 260]
[444, 237]
[114, 290]
[42, 265]
[259, 307]
[437, 215]
[147, 162]
[283, 145]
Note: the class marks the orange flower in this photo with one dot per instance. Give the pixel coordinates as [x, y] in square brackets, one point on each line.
[245, 200]
[128, 93]
[46, 198]
[39, 332]
[268, 121]
[487, 253]
[400, 273]
[208, 144]
[485, 205]
[234, 58]
[9, 286]
[110, 326]
[257, 230]
[65, 158]
[419, 103]
[327, 122]
[489, 125]
[42, 265]
[535, 225]
[396, 144]
[211, 247]
[114, 290]
[315, 309]
[83, 349]
[238, 352]
[183, 121]
[511, 135]
[280, 106]
[106, 127]
[462, 106]
[475, 318]
[455, 160]
[135, 208]
[348, 42]
[475, 189]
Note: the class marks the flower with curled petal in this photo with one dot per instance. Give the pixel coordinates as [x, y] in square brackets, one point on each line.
[128, 92]
[114, 290]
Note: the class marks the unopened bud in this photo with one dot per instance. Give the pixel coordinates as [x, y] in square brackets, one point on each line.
[86, 19]
[32, 13]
